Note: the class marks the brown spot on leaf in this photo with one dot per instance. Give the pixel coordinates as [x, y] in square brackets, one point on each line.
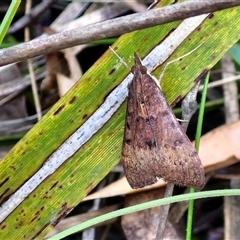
[3, 194]
[37, 213]
[3, 226]
[33, 219]
[84, 116]
[58, 110]
[183, 68]
[112, 71]
[20, 224]
[54, 185]
[72, 100]
[12, 167]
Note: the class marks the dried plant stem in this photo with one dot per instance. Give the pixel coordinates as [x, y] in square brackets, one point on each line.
[30, 67]
[110, 28]
[164, 212]
[231, 107]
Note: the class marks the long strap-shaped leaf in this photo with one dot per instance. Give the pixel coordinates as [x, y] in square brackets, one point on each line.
[65, 155]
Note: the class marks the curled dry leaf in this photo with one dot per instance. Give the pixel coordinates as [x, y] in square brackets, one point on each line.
[218, 149]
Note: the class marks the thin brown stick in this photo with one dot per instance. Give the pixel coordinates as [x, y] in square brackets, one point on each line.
[231, 108]
[164, 212]
[30, 66]
[110, 28]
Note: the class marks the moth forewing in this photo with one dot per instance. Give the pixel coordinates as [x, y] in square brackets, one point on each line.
[155, 145]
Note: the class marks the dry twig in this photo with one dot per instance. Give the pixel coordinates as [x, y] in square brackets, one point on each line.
[110, 28]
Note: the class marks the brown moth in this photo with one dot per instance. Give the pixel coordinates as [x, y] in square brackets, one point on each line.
[155, 145]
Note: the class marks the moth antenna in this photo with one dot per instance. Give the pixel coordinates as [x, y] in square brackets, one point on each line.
[175, 60]
[119, 57]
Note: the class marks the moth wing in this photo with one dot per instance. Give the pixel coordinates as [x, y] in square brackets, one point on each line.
[174, 159]
[134, 152]
[137, 172]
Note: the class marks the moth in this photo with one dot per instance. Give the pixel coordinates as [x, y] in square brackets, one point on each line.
[155, 145]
